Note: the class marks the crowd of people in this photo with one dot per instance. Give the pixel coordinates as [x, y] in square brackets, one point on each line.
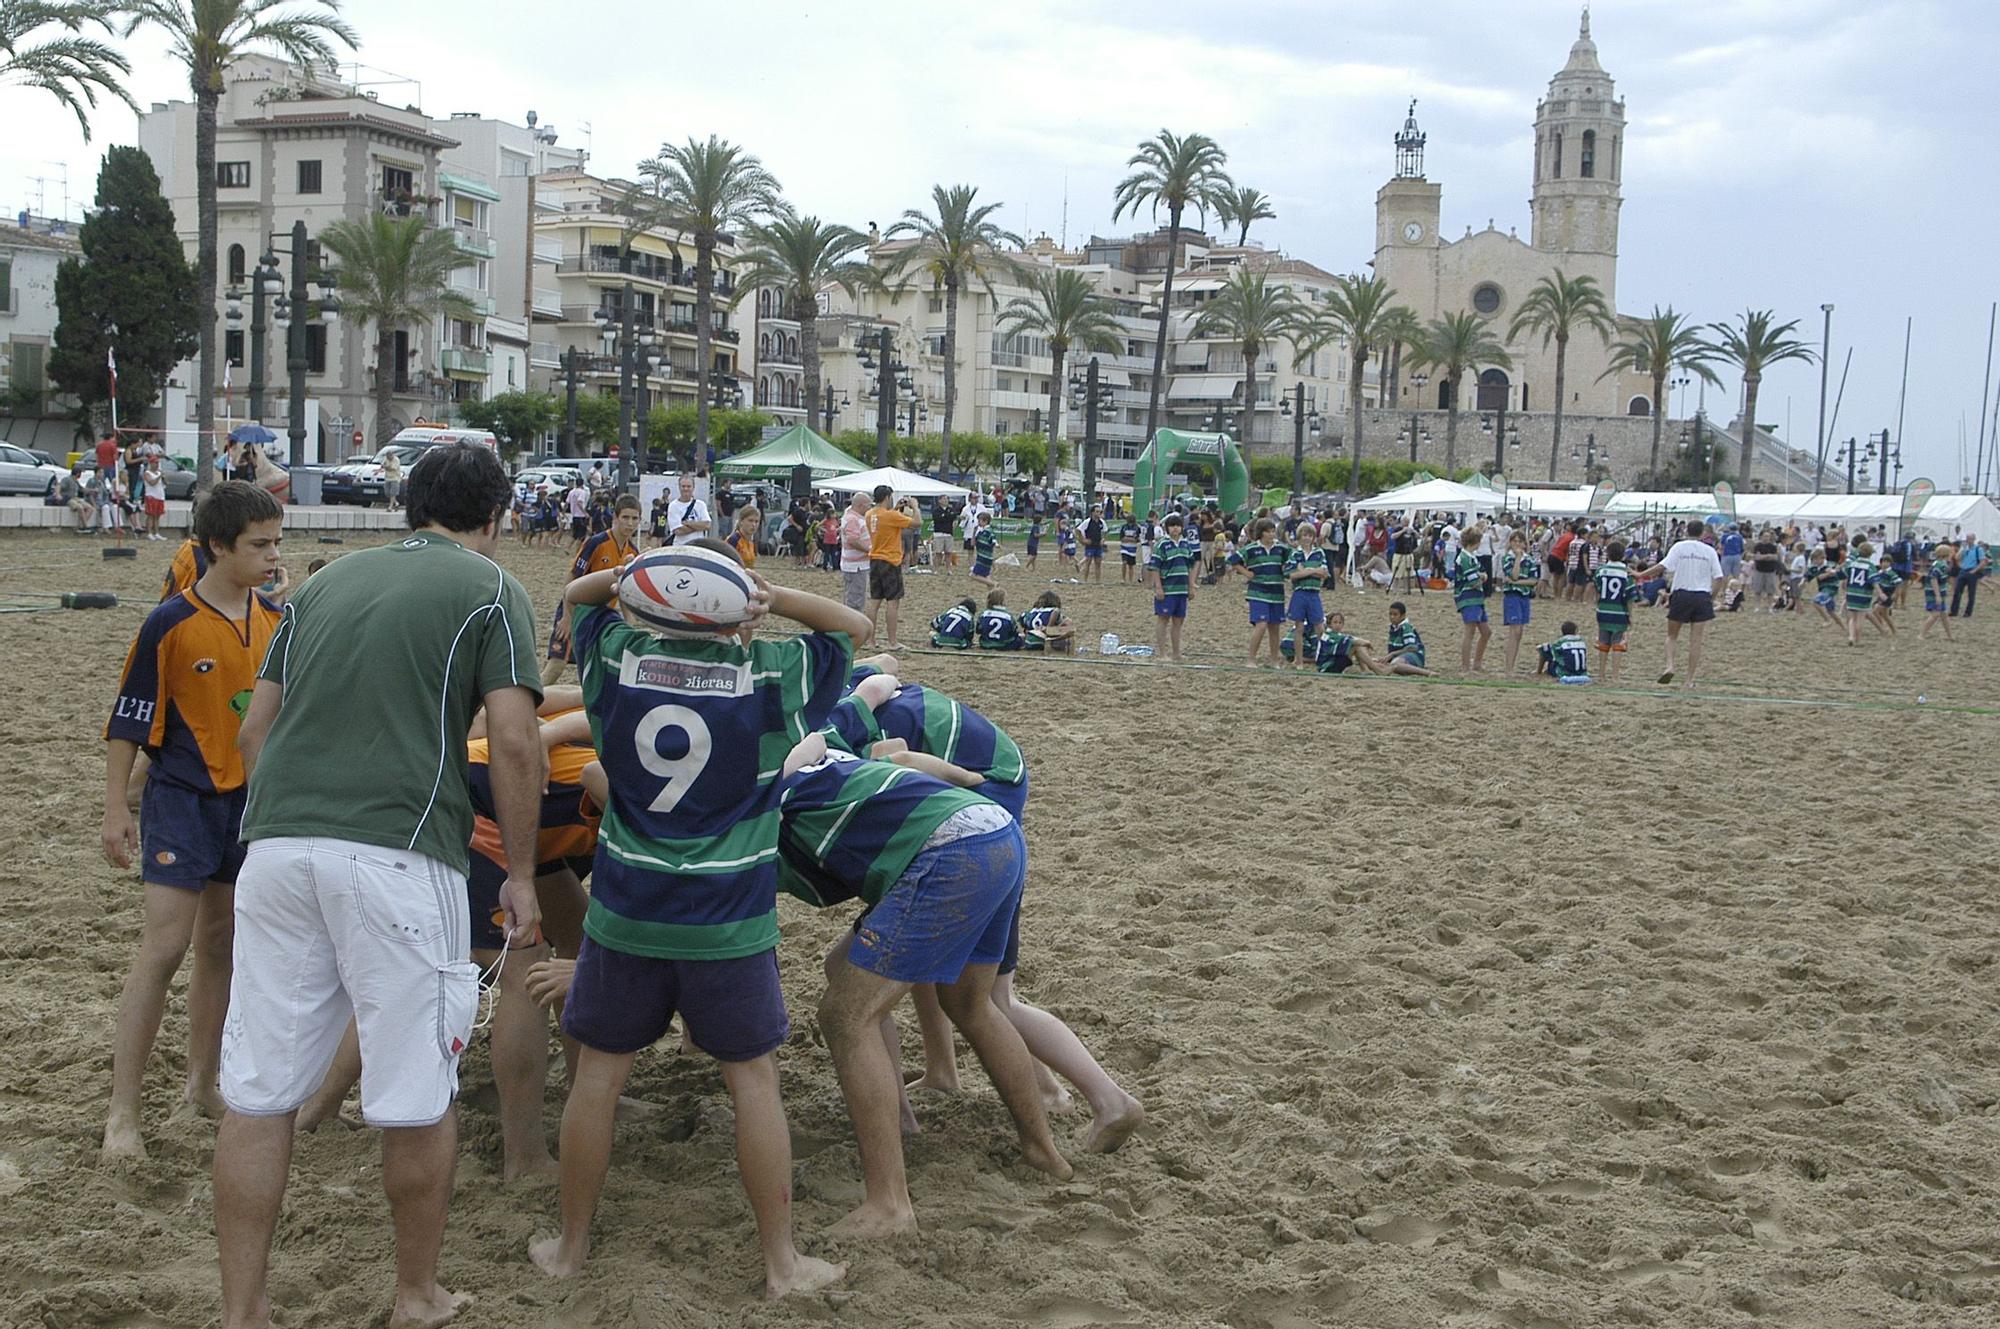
[371, 819]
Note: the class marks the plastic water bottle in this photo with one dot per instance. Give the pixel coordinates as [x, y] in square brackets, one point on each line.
[1108, 644]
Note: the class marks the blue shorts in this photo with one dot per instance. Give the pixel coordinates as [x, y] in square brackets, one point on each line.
[188, 839]
[981, 568]
[953, 906]
[1514, 610]
[1093, 551]
[1306, 607]
[1170, 606]
[734, 1009]
[1034, 545]
[1472, 614]
[1824, 600]
[1262, 611]
[1935, 603]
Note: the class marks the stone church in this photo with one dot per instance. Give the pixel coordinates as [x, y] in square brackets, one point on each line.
[1578, 163]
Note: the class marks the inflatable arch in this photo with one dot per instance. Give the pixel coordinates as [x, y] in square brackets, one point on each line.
[1170, 448]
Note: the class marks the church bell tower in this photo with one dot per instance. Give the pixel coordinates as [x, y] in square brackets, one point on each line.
[1579, 156]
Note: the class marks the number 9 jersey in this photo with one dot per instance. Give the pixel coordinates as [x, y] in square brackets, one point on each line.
[692, 734]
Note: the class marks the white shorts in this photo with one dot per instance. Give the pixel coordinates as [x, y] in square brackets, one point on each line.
[328, 930]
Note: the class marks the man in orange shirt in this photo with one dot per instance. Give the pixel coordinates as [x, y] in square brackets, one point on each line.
[886, 523]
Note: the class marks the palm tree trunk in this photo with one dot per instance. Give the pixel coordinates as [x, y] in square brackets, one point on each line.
[1395, 388]
[1056, 357]
[1451, 428]
[807, 314]
[950, 365]
[704, 279]
[1749, 429]
[385, 382]
[1249, 416]
[1562, 365]
[1166, 311]
[1354, 420]
[1659, 408]
[206, 99]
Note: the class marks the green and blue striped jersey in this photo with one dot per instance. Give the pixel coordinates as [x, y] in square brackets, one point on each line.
[997, 630]
[1616, 590]
[1858, 576]
[1567, 657]
[953, 627]
[1519, 573]
[1404, 640]
[930, 721]
[850, 827]
[984, 542]
[1468, 581]
[1266, 566]
[1313, 561]
[1173, 560]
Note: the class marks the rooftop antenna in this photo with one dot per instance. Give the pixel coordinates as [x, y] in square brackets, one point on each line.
[587, 142]
[64, 168]
[1065, 211]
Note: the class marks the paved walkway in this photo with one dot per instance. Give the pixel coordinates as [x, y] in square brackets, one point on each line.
[32, 513]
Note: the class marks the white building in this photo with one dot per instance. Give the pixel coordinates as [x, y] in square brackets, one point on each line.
[29, 256]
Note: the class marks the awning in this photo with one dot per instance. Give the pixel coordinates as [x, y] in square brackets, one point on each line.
[458, 184]
[775, 460]
[1204, 387]
[907, 484]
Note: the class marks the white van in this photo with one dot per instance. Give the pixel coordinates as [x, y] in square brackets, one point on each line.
[424, 436]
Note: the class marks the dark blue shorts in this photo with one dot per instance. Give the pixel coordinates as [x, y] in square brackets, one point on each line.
[982, 568]
[953, 906]
[619, 1003]
[188, 839]
[1263, 611]
[482, 895]
[1514, 610]
[1307, 607]
[1093, 551]
[1130, 556]
[1170, 606]
[1472, 614]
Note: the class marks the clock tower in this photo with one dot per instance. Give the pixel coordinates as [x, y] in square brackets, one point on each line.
[1406, 209]
[1579, 156]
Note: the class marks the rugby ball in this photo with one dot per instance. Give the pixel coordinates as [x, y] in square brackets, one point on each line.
[686, 591]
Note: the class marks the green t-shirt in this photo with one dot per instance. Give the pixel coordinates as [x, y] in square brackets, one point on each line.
[384, 655]
[1266, 566]
[1314, 564]
[1404, 641]
[1468, 581]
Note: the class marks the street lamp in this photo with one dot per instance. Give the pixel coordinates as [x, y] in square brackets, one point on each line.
[293, 314]
[827, 412]
[1507, 435]
[1303, 418]
[1417, 382]
[1886, 451]
[634, 344]
[891, 375]
[1092, 396]
[265, 280]
[1588, 456]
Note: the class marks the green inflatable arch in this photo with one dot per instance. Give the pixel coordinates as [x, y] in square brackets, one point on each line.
[1170, 447]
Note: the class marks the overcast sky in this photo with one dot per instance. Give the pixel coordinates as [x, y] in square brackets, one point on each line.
[1781, 153]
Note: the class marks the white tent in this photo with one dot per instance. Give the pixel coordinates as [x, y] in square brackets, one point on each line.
[1943, 515]
[907, 484]
[1570, 502]
[1433, 496]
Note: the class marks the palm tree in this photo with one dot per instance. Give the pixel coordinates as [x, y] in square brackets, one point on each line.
[1400, 329]
[1177, 174]
[1062, 309]
[1251, 312]
[708, 190]
[1454, 346]
[72, 69]
[1555, 307]
[1361, 309]
[802, 256]
[1753, 347]
[1242, 205]
[208, 36]
[957, 244]
[1656, 347]
[394, 272]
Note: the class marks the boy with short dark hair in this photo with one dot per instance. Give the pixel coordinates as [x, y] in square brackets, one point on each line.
[683, 910]
[1617, 588]
[186, 683]
[1305, 572]
[1168, 572]
[1468, 596]
[1567, 658]
[1888, 582]
[996, 629]
[1262, 563]
[985, 546]
[1128, 549]
[1406, 647]
[954, 628]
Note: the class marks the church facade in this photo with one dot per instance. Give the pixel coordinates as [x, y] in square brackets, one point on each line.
[1579, 161]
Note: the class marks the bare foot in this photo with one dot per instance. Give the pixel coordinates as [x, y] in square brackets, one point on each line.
[807, 1275]
[439, 1307]
[873, 1223]
[1057, 1102]
[909, 1122]
[635, 1109]
[555, 1259]
[533, 1169]
[208, 1102]
[1047, 1160]
[1115, 1127]
[933, 1085]
[123, 1141]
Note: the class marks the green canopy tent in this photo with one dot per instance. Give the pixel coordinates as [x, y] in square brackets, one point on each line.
[775, 460]
[1171, 448]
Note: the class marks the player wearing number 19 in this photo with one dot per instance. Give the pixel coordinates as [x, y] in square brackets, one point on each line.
[1617, 588]
[692, 728]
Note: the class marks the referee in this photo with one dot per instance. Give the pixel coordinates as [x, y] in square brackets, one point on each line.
[1696, 574]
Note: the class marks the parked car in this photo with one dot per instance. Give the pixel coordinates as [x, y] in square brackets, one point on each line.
[559, 478]
[360, 481]
[22, 473]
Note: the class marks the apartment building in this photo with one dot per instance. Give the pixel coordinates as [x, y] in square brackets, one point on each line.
[780, 371]
[29, 255]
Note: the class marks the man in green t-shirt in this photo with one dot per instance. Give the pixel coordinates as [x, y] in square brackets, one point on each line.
[351, 903]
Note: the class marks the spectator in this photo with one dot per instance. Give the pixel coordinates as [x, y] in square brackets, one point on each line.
[854, 553]
[687, 516]
[1973, 563]
[1696, 573]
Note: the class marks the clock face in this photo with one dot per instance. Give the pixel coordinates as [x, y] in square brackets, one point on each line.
[1413, 231]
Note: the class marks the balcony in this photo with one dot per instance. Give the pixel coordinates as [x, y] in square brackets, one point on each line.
[473, 240]
[548, 251]
[544, 355]
[723, 283]
[545, 301]
[589, 313]
[403, 203]
[644, 268]
[779, 358]
[481, 303]
[466, 362]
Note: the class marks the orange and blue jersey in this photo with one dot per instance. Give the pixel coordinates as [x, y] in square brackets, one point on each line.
[745, 547]
[186, 684]
[600, 553]
[189, 565]
[569, 818]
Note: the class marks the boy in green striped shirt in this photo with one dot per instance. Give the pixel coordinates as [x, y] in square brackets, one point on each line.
[1617, 588]
[1468, 596]
[1168, 571]
[1262, 562]
[1306, 572]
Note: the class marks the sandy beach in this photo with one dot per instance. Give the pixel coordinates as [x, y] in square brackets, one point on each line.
[1471, 1003]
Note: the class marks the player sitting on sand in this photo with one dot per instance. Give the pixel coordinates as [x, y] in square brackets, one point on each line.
[1406, 647]
[996, 628]
[186, 683]
[1045, 627]
[985, 548]
[941, 870]
[1567, 658]
[1616, 590]
[953, 629]
[683, 909]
